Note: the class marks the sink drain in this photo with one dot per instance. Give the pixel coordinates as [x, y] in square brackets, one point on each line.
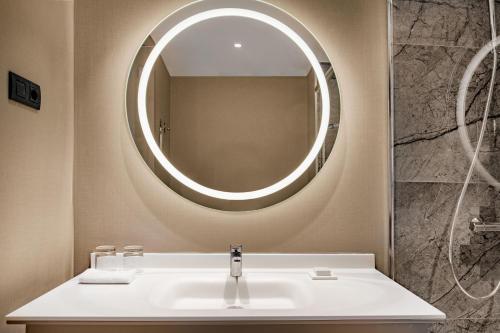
[234, 307]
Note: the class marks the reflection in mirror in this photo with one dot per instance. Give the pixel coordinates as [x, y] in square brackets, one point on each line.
[234, 104]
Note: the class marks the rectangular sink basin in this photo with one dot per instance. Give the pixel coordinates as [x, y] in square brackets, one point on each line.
[219, 291]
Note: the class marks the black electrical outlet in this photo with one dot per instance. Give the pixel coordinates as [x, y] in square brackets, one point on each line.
[24, 91]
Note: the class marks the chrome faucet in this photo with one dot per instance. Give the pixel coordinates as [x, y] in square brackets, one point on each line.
[235, 263]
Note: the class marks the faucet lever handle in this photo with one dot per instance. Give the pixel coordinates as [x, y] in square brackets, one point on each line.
[236, 250]
[235, 253]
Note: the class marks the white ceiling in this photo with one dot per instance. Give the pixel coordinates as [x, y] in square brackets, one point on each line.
[206, 49]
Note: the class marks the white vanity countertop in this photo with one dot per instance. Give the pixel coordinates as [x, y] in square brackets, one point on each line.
[183, 292]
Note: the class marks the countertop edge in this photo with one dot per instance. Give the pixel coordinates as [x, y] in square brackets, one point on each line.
[234, 320]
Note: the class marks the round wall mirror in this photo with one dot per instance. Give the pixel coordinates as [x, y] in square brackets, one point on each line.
[234, 104]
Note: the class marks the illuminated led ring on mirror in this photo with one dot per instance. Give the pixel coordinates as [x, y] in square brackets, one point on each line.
[148, 135]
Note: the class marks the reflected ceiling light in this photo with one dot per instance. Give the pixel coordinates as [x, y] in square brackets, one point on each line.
[237, 45]
[162, 159]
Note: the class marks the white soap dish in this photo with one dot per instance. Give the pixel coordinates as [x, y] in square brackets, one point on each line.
[322, 273]
[316, 277]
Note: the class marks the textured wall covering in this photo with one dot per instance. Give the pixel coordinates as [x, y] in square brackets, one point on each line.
[119, 201]
[434, 41]
[36, 153]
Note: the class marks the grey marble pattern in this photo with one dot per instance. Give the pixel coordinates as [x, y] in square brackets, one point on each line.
[467, 326]
[434, 42]
[443, 159]
[441, 22]
[427, 146]
[423, 214]
[426, 81]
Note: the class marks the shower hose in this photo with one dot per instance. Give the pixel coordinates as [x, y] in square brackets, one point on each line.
[473, 154]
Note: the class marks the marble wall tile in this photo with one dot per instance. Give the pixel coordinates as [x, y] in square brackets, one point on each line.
[443, 159]
[443, 22]
[427, 146]
[423, 214]
[426, 81]
[434, 160]
[467, 326]
[421, 77]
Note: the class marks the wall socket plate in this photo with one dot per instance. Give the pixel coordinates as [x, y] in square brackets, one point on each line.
[24, 91]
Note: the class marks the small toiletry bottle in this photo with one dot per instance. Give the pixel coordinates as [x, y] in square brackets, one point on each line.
[105, 257]
[133, 257]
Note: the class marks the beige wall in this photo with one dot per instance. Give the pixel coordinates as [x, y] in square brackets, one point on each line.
[119, 200]
[36, 153]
